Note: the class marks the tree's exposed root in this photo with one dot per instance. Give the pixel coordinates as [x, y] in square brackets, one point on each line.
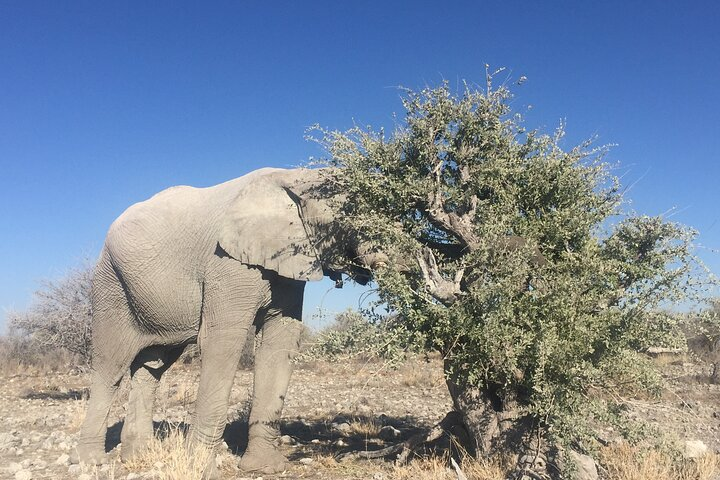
[451, 423]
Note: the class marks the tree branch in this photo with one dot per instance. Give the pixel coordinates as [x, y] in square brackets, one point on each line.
[444, 290]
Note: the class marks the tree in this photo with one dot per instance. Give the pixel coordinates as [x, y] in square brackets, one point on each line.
[59, 315]
[524, 272]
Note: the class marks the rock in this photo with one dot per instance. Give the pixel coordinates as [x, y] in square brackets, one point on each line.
[343, 428]
[63, 459]
[695, 449]
[132, 476]
[14, 467]
[306, 461]
[286, 440]
[389, 433]
[74, 469]
[23, 475]
[8, 440]
[586, 466]
[84, 476]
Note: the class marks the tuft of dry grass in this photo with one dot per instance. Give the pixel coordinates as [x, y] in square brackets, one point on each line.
[168, 458]
[625, 462]
[365, 427]
[438, 468]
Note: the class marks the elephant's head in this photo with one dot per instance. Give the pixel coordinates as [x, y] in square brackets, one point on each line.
[283, 220]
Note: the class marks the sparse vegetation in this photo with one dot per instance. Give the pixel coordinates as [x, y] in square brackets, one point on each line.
[59, 318]
[362, 336]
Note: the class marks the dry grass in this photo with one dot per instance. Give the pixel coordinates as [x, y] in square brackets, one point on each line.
[168, 458]
[77, 414]
[365, 427]
[438, 468]
[421, 377]
[624, 462]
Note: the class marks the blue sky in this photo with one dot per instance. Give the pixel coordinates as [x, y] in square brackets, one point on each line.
[102, 104]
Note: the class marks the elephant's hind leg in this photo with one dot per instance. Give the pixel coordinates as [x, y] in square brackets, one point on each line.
[112, 320]
[146, 371]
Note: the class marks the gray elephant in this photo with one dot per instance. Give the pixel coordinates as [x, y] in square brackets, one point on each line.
[205, 265]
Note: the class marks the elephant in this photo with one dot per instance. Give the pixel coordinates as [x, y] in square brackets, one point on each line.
[205, 265]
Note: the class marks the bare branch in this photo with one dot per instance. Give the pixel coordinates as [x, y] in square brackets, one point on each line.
[444, 290]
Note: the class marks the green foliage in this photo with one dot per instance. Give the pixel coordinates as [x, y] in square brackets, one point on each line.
[511, 255]
[353, 334]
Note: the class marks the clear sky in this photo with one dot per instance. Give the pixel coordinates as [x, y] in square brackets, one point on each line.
[102, 104]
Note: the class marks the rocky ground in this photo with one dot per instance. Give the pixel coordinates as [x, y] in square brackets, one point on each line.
[332, 408]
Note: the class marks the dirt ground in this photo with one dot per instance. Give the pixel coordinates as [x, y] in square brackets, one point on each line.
[332, 408]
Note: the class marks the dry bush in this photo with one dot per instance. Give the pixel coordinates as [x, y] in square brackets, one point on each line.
[21, 354]
[59, 316]
[625, 462]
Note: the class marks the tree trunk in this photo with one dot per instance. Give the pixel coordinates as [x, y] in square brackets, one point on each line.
[496, 425]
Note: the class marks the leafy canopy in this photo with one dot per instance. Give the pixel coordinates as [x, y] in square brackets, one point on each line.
[510, 254]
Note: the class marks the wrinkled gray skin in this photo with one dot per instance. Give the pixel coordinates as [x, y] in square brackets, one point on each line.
[206, 265]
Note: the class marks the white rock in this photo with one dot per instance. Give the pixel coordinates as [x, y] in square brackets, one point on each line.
[695, 449]
[132, 476]
[74, 470]
[84, 476]
[23, 475]
[586, 467]
[306, 461]
[62, 459]
[14, 467]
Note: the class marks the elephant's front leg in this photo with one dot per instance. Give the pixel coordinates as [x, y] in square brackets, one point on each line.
[228, 311]
[273, 367]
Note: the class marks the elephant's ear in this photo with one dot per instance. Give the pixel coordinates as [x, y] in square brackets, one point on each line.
[262, 227]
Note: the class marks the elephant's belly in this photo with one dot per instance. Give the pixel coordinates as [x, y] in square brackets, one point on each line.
[167, 303]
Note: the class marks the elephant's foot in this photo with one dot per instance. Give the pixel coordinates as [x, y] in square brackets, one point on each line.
[88, 454]
[132, 447]
[267, 461]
